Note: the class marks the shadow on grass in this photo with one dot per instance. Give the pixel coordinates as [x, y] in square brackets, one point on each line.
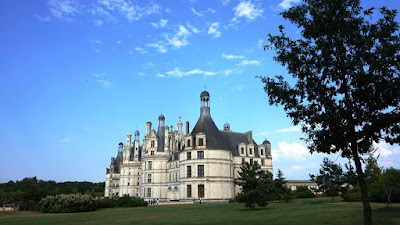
[395, 210]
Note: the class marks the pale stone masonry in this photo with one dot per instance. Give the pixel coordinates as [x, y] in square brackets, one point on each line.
[170, 165]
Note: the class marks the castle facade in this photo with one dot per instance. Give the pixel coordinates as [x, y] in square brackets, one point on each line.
[172, 165]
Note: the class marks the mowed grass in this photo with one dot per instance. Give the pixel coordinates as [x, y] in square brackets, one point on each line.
[302, 211]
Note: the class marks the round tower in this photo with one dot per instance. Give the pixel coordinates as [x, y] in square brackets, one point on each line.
[161, 121]
[137, 135]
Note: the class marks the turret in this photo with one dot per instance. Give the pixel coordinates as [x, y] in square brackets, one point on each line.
[127, 150]
[204, 103]
[148, 129]
[180, 125]
[136, 146]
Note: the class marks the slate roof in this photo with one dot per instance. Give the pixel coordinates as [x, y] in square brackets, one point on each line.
[235, 138]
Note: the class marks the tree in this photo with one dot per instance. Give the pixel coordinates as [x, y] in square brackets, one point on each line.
[346, 88]
[373, 172]
[256, 185]
[304, 192]
[350, 177]
[330, 178]
[390, 179]
[282, 190]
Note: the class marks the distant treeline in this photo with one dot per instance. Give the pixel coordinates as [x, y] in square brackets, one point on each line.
[33, 190]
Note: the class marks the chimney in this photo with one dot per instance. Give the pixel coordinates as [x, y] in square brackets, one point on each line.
[187, 127]
[250, 136]
[148, 128]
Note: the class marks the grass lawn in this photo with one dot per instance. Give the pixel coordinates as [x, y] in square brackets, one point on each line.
[302, 211]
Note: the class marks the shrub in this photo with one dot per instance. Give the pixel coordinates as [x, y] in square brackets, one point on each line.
[127, 201]
[304, 192]
[352, 195]
[28, 205]
[67, 203]
[105, 203]
[231, 200]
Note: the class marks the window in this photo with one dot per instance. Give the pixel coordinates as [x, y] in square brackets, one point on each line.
[189, 191]
[262, 151]
[152, 153]
[176, 176]
[250, 151]
[200, 155]
[148, 192]
[150, 165]
[189, 155]
[149, 178]
[200, 170]
[251, 161]
[262, 162]
[189, 171]
[200, 141]
[152, 144]
[242, 150]
[200, 189]
[188, 142]
[243, 161]
[128, 183]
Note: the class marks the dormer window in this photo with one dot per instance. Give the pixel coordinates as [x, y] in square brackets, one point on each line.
[250, 151]
[241, 150]
[188, 143]
[262, 151]
[152, 144]
[201, 141]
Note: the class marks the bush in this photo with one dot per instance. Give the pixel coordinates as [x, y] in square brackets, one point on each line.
[304, 192]
[376, 193]
[127, 201]
[231, 200]
[105, 203]
[28, 205]
[67, 203]
[352, 195]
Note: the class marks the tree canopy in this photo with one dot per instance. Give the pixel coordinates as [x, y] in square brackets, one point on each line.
[256, 185]
[347, 85]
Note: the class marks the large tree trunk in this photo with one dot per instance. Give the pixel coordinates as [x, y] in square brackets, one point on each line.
[363, 186]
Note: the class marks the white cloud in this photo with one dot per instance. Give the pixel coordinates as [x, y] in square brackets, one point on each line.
[211, 10]
[290, 129]
[178, 73]
[167, 10]
[249, 62]
[95, 41]
[286, 4]
[141, 74]
[213, 30]
[160, 75]
[65, 140]
[225, 2]
[98, 22]
[130, 10]
[64, 9]
[384, 149]
[248, 10]
[179, 39]
[104, 83]
[196, 13]
[192, 28]
[140, 50]
[160, 24]
[159, 46]
[238, 88]
[230, 56]
[118, 42]
[287, 150]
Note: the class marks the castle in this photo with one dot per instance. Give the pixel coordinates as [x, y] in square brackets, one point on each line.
[170, 165]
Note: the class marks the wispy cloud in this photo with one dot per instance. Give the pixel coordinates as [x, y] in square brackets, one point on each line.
[286, 4]
[247, 10]
[118, 42]
[196, 12]
[246, 62]
[290, 129]
[130, 10]
[95, 41]
[43, 18]
[162, 23]
[140, 50]
[192, 28]
[101, 79]
[238, 88]
[159, 46]
[213, 30]
[65, 140]
[64, 9]
[225, 2]
[98, 22]
[178, 73]
[230, 56]
[179, 39]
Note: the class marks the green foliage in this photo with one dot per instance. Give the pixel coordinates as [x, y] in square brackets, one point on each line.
[105, 203]
[256, 185]
[390, 181]
[67, 203]
[281, 190]
[330, 178]
[304, 192]
[127, 201]
[346, 68]
[29, 191]
[373, 172]
[352, 195]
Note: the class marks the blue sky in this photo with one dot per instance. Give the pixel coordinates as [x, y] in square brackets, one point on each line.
[77, 76]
